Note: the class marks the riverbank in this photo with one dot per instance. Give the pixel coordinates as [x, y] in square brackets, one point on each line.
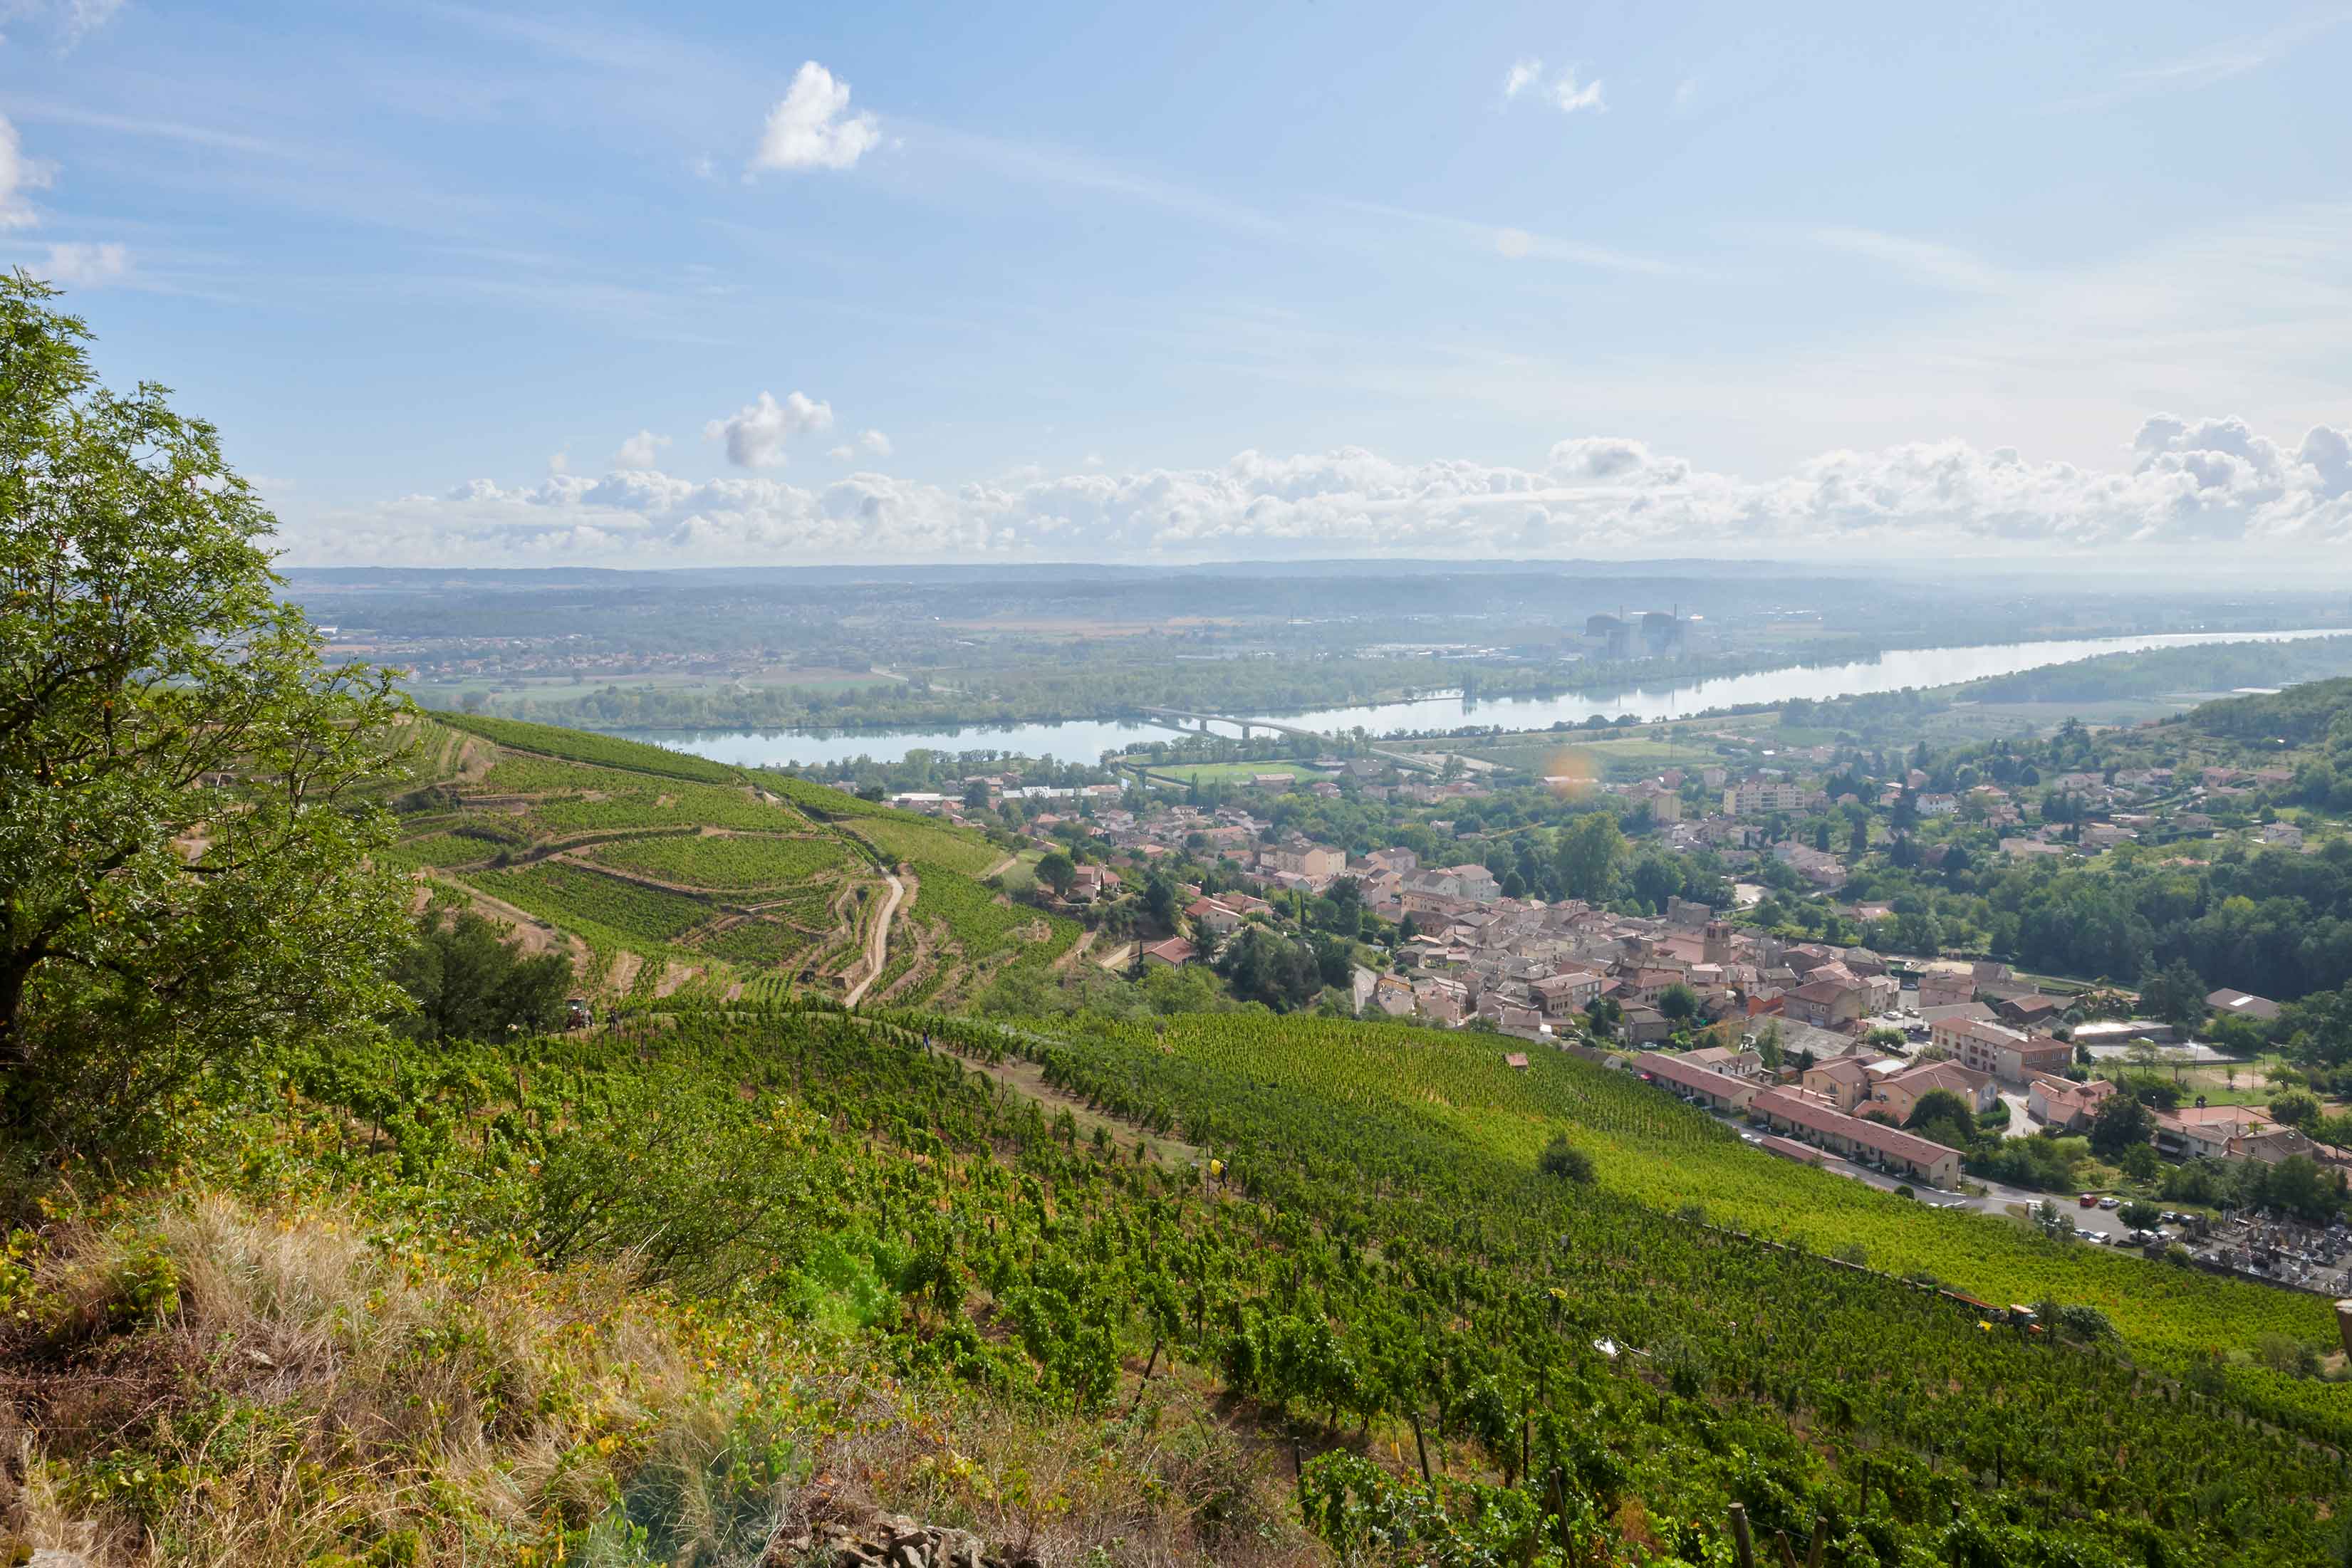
[1088, 740]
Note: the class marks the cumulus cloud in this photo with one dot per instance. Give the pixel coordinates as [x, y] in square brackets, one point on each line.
[1567, 94]
[642, 450]
[78, 265]
[2183, 485]
[18, 174]
[756, 433]
[877, 442]
[811, 126]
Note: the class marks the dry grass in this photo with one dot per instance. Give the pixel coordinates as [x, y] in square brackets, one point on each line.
[203, 1382]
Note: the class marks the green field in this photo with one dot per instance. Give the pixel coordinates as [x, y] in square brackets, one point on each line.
[1231, 773]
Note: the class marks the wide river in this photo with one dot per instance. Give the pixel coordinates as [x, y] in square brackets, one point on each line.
[1086, 740]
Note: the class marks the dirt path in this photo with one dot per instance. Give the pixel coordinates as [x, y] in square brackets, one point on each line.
[1001, 867]
[877, 940]
[1028, 1079]
[1077, 951]
[531, 934]
[1117, 959]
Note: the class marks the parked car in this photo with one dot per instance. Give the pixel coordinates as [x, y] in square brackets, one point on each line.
[2090, 1200]
[2111, 1202]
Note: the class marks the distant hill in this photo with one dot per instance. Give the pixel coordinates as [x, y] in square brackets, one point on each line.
[2300, 716]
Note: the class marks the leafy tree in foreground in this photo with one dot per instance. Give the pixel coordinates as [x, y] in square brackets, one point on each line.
[184, 871]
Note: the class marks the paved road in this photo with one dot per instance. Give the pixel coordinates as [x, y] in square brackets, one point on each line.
[1998, 1198]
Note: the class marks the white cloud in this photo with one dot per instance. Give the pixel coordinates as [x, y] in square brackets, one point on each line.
[1567, 94]
[841, 454]
[2187, 487]
[77, 264]
[560, 463]
[877, 442]
[1570, 96]
[642, 450]
[809, 128]
[755, 435]
[18, 174]
[1514, 243]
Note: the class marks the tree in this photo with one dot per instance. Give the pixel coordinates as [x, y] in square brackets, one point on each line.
[2122, 1123]
[1058, 872]
[185, 872]
[1679, 1003]
[2174, 994]
[1159, 901]
[1587, 855]
[2294, 1109]
[1603, 1015]
[468, 984]
[1563, 1159]
[1940, 1106]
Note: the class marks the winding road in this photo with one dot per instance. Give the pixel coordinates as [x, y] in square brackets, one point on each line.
[877, 941]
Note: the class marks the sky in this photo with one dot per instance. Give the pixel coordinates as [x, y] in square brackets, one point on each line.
[772, 284]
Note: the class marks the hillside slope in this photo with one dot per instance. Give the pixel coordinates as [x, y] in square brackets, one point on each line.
[669, 876]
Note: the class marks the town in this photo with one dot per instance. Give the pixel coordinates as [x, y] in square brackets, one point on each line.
[1698, 926]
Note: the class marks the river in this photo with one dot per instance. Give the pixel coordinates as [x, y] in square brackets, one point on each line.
[1086, 740]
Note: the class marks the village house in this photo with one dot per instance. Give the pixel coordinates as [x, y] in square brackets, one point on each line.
[1172, 953]
[1794, 1111]
[1845, 1083]
[1901, 1093]
[2069, 1107]
[2010, 1055]
[1718, 1090]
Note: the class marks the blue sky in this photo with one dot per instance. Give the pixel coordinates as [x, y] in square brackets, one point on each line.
[1216, 280]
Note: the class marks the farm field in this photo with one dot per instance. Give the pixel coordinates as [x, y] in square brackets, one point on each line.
[1227, 772]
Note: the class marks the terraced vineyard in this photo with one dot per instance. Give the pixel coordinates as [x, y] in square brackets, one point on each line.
[966, 933]
[676, 871]
[730, 863]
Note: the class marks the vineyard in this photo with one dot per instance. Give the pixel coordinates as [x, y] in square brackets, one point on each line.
[1380, 1265]
[733, 879]
[928, 845]
[728, 864]
[597, 750]
[1571, 1368]
[1648, 1146]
